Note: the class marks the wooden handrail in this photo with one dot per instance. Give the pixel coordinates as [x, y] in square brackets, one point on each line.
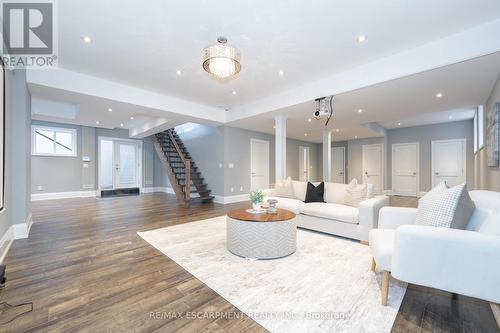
[187, 167]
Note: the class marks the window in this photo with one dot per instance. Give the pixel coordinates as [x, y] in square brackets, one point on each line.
[479, 129]
[48, 141]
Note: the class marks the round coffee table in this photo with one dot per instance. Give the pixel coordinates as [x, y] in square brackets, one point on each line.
[261, 236]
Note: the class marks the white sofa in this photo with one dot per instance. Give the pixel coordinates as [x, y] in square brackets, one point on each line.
[465, 262]
[333, 216]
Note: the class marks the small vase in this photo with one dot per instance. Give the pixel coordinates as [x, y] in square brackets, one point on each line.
[256, 206]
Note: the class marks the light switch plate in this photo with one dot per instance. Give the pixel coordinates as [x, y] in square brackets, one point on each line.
[86, 158]
[230, 166]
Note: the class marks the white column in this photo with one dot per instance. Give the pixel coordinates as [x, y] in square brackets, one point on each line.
[327, 155]
[280, 138]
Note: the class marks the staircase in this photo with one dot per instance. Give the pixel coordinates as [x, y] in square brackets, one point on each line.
[182, 172]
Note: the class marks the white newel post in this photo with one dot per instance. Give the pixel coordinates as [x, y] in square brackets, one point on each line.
[280, 138]
[327, 155]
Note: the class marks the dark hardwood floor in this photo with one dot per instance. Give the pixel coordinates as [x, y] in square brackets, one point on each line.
[85, 269]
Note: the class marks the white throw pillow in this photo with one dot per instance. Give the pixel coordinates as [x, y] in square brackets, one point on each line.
[299, 189]
[445, 207]
[335, 192]
[283, 188]
[355, 193]
[370, 191]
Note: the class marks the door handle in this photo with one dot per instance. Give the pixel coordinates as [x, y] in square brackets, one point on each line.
[436, 173]
[366, 172]
[414, 173]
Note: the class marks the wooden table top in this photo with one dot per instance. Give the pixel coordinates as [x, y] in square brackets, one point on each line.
[243, 215]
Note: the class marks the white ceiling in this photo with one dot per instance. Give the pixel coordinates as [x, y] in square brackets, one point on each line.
[55, 105]
[144, 44]
[410, 101]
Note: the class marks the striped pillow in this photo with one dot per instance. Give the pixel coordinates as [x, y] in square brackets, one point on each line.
[445, 207]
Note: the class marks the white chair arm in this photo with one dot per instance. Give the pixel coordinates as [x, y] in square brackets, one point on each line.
[458, 261]
[393, 217]
[368, 210]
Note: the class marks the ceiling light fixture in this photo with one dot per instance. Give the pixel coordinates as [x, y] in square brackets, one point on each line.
[121, 125]
[399, 124]
[337, 130]
[221, 60]
[87, 39]
[97, 122]
[234, 92]
[355, 136]
[281, 73]
[450, 117]
[309, 120]
[110, 110]
[305, 134]
[360, 110]
[439, 95]
[361, 38]
[178, 72]
[131, 118]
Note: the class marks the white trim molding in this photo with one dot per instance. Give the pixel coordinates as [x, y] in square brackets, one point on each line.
[16, 231]
[231, 198]
[63, 195]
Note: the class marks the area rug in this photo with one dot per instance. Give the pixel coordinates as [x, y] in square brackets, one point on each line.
[326, 286]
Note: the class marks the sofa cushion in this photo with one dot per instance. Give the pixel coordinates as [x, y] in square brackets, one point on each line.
[290, 204]
[331, 211]
[335, 193]
[445, 207]
[283, 188]
[299, 189]
[315, 193]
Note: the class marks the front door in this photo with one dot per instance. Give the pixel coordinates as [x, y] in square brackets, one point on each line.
[125, 159]
[405, 169]
[448, 162]
[373, 157]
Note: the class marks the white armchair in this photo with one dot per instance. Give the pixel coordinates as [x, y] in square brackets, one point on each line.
[465, 262]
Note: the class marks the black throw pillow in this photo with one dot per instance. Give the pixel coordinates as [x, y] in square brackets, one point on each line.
[315, 193]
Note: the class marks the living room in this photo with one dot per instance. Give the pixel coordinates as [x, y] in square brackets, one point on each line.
[282, 167]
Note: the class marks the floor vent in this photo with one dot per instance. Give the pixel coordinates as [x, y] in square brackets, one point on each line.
[120, 192]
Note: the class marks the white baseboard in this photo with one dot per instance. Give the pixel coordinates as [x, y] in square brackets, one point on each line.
[63, 195]
[16, 231]
[388, 192]
[231, 198]
[421, 194]
[391, 192]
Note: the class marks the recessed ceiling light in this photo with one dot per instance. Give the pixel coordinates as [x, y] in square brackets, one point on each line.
[399, 124]
[337, 130]
[87, 39]
[274, 127]
[450, 117]
[281, 73]
[309, 120]
[121, 125]
[439, 95]
[110, 110]
[233, 92]
[97, 122]
[178, 72]
[131, 118]
[360, 110]
[355, 136]
[305, 134]
[361, 38]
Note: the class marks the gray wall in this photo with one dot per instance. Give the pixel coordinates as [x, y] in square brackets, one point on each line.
[424, 135]
[487, 178]
[17, 142]
[67, 174]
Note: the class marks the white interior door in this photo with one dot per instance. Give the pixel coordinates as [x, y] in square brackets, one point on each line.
[373, 166]
[338, 165]
[304, 164]
[126, 164]
[449, 162]
[259, 164]
[405, 166]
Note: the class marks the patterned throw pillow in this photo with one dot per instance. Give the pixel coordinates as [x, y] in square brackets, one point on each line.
[355, 193]
[283, 188]
[445, 207]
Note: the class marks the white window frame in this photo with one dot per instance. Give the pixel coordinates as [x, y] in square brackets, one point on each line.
[71, 131]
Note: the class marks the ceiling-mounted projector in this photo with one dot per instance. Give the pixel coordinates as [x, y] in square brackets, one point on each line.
[324, 108]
